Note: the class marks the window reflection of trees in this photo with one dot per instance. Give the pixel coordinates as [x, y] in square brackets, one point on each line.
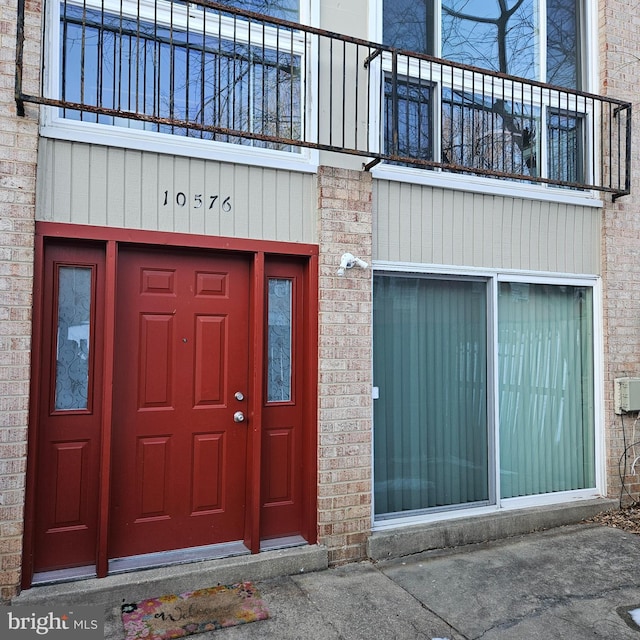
[500, 130]
[499, 35]
[285, 9]
[489, 134]
[182, 75]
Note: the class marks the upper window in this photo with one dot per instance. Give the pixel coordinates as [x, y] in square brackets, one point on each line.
[184, 69]
[533, 39]
[496, 123]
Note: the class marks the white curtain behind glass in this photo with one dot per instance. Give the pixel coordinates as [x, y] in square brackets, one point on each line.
[545, 344]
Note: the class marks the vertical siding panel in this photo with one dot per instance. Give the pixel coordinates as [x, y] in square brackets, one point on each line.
[428, 213]
[534, 209]
[472, 248]
[574, 238]
[269, 207]
[378, 193]
[510, 241]
[234, 179]
[79, 188]
[524, 250]
[594, 246]
[559, 250]
[402, 217]
[182, 185]
[44, 180]
[516, 232]
[295, 202]
[501, 243]
[197, 208]
[98, 186]
[212, 186]
[384, 218]
[395, 208]
[391, 220]
[455, 209]
[544, 242]
[116, 187]
[167, 213]
[132, 192]
[152, 194]
[440, 221]
[282, 205]
[416, 219]
[530, 210]
[475, 247]
[309, 209]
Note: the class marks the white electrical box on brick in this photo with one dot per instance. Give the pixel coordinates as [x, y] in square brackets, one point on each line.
[626, 395]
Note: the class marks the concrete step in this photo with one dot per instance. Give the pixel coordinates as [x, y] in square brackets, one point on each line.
[462, 530]
[139, 585]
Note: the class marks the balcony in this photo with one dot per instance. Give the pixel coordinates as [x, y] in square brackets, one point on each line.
[210, 72]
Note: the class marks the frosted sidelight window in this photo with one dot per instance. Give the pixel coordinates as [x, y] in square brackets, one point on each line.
[73, 338]
[279, 347]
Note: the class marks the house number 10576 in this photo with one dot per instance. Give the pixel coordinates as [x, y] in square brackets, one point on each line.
[198, 200]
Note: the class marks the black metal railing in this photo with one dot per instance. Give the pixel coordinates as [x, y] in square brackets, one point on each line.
[204, 70]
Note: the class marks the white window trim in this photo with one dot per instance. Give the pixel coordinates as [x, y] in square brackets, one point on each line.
[481, 184]
[493, 277]
[492, 186]
[53, 126]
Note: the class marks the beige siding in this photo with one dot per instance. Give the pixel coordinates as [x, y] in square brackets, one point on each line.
[414, 223]
[91, 184]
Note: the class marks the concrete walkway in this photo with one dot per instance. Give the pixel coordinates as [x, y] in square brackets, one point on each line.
[571, 583]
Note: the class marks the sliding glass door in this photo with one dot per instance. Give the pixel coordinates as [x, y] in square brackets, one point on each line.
[430, 364]
[453, 430]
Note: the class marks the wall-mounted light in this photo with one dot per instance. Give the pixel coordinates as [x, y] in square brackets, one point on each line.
[348, 261]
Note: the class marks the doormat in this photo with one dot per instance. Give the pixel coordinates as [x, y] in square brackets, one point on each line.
[176, 616]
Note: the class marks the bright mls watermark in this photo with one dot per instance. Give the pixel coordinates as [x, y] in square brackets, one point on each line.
[82, 622]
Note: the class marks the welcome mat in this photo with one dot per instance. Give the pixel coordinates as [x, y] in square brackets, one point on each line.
[176, 616]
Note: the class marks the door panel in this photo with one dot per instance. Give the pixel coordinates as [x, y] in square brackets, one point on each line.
[156, 355]
[208, 463]
[70, 403]
[282, 441]
[182, 339]
[210, 334]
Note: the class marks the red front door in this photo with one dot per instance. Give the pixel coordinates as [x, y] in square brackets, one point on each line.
[180, 385]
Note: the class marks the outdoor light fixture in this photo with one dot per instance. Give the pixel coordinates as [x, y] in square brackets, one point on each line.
[348, 261]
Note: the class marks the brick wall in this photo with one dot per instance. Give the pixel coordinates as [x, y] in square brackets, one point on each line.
[18, 144]
[619, 77]
[345, 355]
